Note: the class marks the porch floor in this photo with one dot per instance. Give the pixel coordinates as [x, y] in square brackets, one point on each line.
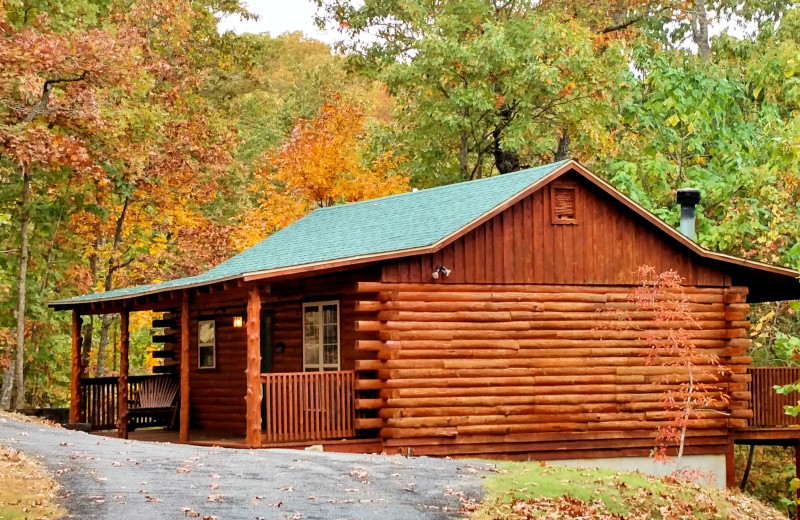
[235, 440]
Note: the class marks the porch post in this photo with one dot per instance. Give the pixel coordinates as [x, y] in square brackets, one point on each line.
[124, 340]
[253, 373]
[185, 401]
[75, 375]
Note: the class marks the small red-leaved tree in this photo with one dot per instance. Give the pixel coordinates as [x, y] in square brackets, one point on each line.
[692, 390]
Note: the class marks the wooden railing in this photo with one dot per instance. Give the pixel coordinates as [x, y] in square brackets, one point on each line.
[767, 405]
[100, 398]
[309, 406]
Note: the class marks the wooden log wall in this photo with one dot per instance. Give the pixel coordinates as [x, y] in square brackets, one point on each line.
[605, 246]
[286, 299]
[218, 395]
[534, 371]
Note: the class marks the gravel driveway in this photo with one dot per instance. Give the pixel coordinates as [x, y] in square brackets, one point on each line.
[106, 478]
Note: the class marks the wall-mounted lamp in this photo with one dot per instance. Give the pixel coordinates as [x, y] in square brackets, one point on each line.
[440, 271]
[238, 321]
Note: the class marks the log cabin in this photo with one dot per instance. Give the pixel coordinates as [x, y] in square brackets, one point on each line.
[454, 321]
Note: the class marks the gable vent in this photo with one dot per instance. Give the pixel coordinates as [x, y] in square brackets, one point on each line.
[565, 203]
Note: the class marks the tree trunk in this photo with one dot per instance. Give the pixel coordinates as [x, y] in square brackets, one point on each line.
[8, 385]
[699, 21]
[105, 325]
[86, 344]
[463, 156]
[88, 326]
[504, 161]
[562, 150]
[25, 218]
[113, 265]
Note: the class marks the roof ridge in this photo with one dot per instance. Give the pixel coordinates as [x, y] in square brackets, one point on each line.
[444, 186]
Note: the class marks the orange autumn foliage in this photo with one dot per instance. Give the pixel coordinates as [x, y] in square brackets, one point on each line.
[324, 163]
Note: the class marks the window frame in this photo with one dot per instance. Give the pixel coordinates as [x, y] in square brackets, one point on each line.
[565, 185]
[321, 366]
[201, 345]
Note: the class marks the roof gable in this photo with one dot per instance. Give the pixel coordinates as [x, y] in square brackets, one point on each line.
[407, 222]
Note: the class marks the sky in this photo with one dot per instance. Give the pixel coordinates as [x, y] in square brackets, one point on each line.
[279, 16]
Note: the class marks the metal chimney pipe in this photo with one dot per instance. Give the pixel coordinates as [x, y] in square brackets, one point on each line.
[688, 199]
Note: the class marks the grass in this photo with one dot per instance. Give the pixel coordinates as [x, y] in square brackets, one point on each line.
[527, 490]
[27, 490]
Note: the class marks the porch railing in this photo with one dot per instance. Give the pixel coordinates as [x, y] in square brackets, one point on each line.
[309, 406]
[767, 405]
[100, 401]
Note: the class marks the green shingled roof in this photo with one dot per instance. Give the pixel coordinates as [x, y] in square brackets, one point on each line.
[395, 223]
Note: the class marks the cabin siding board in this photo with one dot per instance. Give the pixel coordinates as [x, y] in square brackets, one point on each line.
[606, 245]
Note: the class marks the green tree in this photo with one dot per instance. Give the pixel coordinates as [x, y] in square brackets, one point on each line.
[483, 86]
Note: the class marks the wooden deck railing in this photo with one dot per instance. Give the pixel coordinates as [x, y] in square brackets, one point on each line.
[100, 398]
[767, 405]
[309, 406]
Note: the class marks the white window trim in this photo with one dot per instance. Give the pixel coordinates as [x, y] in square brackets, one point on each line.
[213, 346]
[321, 367]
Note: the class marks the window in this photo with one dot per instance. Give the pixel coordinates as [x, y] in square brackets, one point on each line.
[206, 344]
[320, 336]
[564, 202]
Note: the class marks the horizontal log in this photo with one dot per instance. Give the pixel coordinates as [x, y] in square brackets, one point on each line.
[599, 325]
[508, 296]
[164, 338]
[369, 384]
[162, 354]
[369, 424]
[418, 432]
[718, 308]
[537, 343]
[365, 344]
[511, 333]
[626, 363]
[377, 287]
[540, 390]
[635, 354]
[505, 419]
[519, 315]
[648, 435]
[369, 404]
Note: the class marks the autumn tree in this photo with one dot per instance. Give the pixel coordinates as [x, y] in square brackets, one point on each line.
[52, 85]
[104, 120]
[692, 390]
[327, 161]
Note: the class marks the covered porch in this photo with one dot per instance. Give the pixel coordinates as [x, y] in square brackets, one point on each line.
[253, 365]
[300, 408]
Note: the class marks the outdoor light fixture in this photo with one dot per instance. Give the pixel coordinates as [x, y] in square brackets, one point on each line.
[237, 321]
[440, 271]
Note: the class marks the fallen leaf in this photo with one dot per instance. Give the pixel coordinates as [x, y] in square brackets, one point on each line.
[216, 498]
[182, 470]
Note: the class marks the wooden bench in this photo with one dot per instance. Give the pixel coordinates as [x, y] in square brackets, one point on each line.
[154, 403]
